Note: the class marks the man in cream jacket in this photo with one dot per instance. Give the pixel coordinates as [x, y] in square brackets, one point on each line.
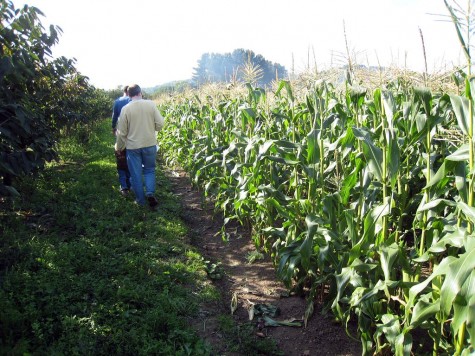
[137, 129]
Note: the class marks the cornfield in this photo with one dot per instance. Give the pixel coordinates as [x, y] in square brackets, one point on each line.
[362, 195]
[366, 196]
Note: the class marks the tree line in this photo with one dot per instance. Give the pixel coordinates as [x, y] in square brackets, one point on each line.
[239, 65]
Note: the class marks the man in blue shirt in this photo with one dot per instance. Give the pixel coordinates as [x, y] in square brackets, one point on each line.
[122, 169]
[119, 103]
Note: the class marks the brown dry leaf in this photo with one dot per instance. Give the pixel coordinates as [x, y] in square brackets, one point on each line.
[234, 303]
[251, 310]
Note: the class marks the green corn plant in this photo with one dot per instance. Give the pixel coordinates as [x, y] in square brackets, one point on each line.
[454, 300]
[449, 183]
[428, 122]
[325, 182]
[466, 25]
[355, 102]
[463, 27]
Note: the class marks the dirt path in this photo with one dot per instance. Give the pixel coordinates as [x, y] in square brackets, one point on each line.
[253, 283]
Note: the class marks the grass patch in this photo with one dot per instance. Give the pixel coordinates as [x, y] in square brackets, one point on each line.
[84, 270]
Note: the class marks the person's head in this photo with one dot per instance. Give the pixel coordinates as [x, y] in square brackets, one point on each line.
[126, 89]
[134, 90]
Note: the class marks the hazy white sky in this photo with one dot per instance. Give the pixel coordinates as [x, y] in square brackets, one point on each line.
[150, 42]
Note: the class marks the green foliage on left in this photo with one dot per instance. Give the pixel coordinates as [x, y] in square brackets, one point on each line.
[39, 95]
[85, 271]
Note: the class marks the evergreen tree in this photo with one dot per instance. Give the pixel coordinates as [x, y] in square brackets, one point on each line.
[240, 65]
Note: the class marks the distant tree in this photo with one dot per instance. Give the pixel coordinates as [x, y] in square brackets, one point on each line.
[240, 65]
[168, 88]
[115, 93]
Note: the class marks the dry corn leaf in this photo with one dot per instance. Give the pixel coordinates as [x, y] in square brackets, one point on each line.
[251, 311]
[308, 312]
[234, 303]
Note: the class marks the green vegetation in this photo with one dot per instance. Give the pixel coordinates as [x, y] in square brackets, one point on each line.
[39, 96]
[85, 271]
[363, 195]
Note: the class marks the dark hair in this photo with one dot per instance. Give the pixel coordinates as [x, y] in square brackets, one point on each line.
[126, 89]
[134, 90]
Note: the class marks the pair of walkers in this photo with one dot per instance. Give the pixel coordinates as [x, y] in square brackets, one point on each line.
[135, 123]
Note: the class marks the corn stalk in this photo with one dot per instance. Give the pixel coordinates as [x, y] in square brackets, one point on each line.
[460, 26]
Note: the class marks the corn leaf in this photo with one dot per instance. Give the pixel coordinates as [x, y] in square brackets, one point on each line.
[457, 24]
[425, 96]
[313, 149]
[424, 309]
[393, 158]
[389, 108]
[403, 344]
[350, 181]
[460, 106]
[264, 148]
[373, 154]
[390, 327]
[389, 255]
[415, 290]
[285, 84]
[308, 311]
[462, 154]
[468, 211]
[471, 318]
[452, 239]
[306, 248]
[291, 322]
[462, 304]
[461, 180]
[458, 271]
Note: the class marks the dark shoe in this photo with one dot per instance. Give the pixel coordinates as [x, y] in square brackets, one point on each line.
[152, 201]
[124, 192]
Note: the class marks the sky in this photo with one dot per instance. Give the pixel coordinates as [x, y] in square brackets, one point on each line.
[152, 42]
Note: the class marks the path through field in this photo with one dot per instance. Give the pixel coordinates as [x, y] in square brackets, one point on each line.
[253, 283]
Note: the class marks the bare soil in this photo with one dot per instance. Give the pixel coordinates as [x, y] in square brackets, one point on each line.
[254, 282]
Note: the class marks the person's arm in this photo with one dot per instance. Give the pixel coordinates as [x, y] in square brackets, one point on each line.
[121, 136]
[159, 120]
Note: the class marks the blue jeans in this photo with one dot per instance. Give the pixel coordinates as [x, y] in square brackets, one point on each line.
[141, 164]
[124, 179]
